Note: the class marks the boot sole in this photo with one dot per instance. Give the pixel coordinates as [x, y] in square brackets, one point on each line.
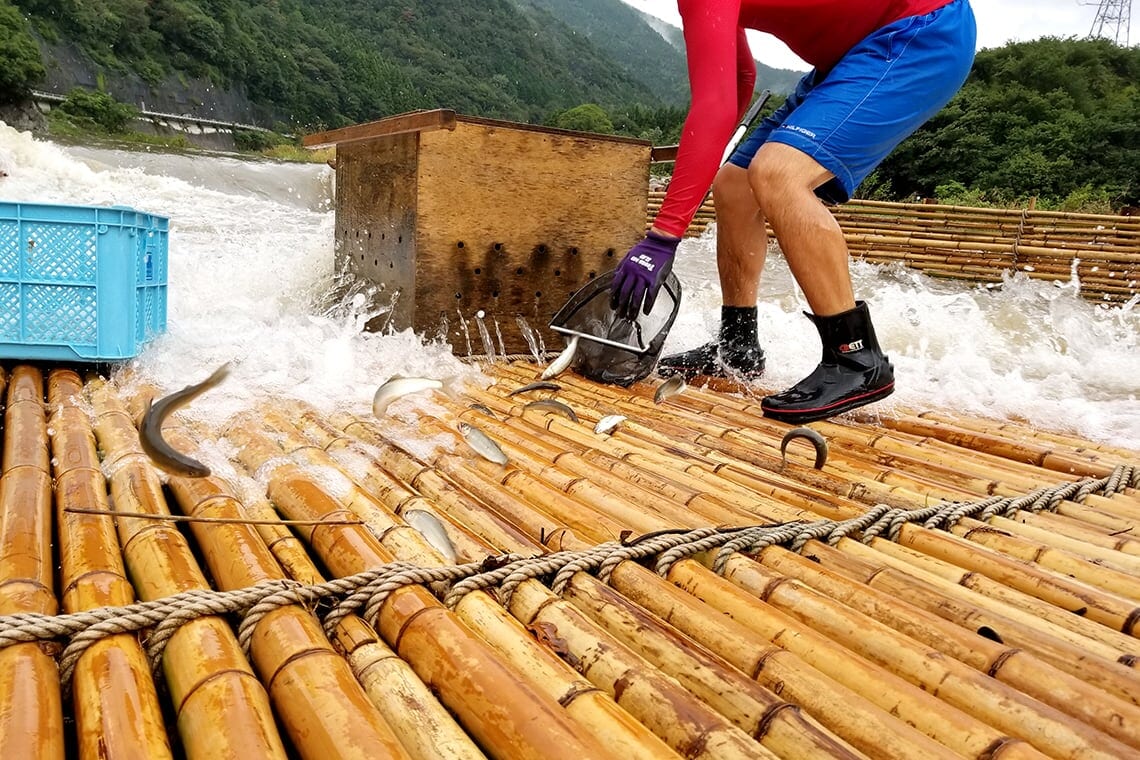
[797, 416]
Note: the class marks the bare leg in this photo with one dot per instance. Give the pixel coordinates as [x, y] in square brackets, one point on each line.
[784, 181]
[741, 237]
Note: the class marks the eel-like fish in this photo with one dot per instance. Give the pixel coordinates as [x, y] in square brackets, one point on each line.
[807, 433]
[150, 431]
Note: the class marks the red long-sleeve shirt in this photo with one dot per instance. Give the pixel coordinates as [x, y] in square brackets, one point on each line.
[722, 72]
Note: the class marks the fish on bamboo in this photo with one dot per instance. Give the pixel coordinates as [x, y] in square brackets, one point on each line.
[431, 528]
[482, 443]
[808, 434]
[553, 405]
[560, 364]
[538, 385]
[482, 408]
[669, 388]
[608, 423]
[398, 386]
[150, 431]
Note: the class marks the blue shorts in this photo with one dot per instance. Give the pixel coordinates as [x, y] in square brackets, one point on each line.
[884, 89]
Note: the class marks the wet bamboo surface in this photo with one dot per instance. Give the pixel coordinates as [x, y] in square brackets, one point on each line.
[1002, 635]
[979, 244]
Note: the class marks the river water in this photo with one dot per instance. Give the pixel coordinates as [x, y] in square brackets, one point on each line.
[251, 259]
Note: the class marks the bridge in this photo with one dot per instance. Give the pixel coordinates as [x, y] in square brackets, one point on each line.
[183, 122]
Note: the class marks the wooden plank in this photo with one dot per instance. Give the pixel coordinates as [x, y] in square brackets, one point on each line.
[375, 219]
[664, 153]
[416, 121]
[513, 221]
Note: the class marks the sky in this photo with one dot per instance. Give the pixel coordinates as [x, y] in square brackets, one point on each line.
[999, 22]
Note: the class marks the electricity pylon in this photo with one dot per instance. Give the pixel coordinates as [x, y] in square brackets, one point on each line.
[1113, 18]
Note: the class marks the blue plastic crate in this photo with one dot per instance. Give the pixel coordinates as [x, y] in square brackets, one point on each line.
[83, 283]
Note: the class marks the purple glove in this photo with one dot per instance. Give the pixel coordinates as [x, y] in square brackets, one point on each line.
[641, 274]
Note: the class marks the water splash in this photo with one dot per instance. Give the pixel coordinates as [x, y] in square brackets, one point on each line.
[252, 246]
[499, 335]
[531, 338]
[466, 331]
[485, 336]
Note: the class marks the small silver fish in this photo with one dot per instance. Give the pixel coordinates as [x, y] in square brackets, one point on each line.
[553, 405]
[400, 386]
[539, 385]
[431, 528]
[482, 443]
[670, 387]
[807, 433]
[482, 408]
[150, 431]
[560, 364]
[608, 423]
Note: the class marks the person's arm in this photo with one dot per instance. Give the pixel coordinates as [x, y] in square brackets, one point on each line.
[721, 77]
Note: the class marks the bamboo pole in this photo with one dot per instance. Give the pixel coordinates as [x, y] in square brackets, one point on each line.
[669, 710]
[819, 627]
[853, 698]
[222, 710]
[495, 704]
[114, 671]
[780, 725]
[425, 728]
[31, 708]
[313, 689]
[1100, 605]
[1064, 617]
[625, 735]
[1098, 661]
[373, 468]
[1065, 693]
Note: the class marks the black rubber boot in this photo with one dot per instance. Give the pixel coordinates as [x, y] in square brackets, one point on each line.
[736, 353]
[852, 373]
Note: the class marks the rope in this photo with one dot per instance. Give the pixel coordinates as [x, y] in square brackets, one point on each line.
[364, 593]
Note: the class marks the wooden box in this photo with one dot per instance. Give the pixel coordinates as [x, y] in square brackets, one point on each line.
[472, 220]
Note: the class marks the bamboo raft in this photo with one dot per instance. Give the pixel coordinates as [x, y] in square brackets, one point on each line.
[980, 244]
[944, 587]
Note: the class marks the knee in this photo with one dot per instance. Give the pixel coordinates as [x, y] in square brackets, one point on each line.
[732, 194]
[769, 181]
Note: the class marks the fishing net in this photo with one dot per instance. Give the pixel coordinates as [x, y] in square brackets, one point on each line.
[612, 349]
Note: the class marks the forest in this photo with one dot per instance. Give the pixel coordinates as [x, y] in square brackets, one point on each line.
[1054, 120]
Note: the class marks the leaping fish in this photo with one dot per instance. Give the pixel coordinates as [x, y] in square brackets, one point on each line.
[608, 423]
[807, 433]
[482, 443]
[398, 386]
[538, 385]
[553, 405]
[670, 387]
[559, 365]
[150, 431]
[430, 527]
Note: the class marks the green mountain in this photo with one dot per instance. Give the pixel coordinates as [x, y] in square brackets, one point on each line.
[634, 40]
[324, 63]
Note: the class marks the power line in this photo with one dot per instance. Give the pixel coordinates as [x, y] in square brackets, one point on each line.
[1112, 21]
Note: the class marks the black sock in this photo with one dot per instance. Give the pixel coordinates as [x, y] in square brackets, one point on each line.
[738, 327]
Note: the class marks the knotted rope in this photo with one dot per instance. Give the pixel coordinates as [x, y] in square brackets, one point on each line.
[364, 593]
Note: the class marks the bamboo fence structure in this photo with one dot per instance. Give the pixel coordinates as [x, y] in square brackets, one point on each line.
[943, 587]
[980, 244]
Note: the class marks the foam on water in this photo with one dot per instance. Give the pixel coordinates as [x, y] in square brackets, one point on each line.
[251, 255]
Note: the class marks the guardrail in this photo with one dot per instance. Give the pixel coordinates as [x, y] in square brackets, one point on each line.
[52, 97]
[980, 244]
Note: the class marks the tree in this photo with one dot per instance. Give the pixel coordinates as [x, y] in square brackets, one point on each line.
[21, 65]
[588, 117]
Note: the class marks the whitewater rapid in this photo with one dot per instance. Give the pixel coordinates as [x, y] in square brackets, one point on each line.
[252, 258]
